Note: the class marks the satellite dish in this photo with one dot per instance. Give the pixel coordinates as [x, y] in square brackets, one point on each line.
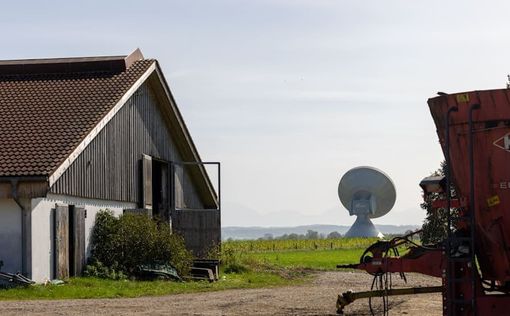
[368, 193]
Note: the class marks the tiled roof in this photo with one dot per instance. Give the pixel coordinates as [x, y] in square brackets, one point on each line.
[47, 109]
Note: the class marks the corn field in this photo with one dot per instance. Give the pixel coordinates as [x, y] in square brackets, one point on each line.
[300, 244]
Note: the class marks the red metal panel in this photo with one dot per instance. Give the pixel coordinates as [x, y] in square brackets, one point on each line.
[429, 263]
[493, 305]
[492, 169]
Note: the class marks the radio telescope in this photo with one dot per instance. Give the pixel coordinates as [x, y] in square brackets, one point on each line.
[368, 193]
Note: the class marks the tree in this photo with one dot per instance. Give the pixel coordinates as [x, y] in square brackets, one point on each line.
[435, 227]
[333, 235]
[268, 236]
[311, 234]
[293, 236]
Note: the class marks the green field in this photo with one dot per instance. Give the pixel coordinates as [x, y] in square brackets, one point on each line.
[318, 254]
[312, 259]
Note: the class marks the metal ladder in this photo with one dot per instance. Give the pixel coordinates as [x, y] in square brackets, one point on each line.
[461, 276]
[461, 266]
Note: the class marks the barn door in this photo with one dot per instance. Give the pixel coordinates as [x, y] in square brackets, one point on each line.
[77, 241]
[61, 242]
[69, 232]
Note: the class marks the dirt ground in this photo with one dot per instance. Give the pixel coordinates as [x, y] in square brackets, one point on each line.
[317, 297]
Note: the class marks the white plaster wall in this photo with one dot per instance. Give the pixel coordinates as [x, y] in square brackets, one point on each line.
[10, 235]
[42, 227]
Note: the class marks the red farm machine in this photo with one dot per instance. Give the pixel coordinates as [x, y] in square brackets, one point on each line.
[474, 260]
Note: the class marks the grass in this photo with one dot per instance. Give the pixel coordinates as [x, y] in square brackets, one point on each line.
[88, 288]
[316, 254]
[310, 259]
[267, 263]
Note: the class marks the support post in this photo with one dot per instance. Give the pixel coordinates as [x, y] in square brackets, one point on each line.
[449, 289]
[472, 206]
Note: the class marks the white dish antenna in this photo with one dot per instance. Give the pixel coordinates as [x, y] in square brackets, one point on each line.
[368, 193]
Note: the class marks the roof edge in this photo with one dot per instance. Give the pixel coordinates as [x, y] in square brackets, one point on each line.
[186, 134]
[113, 64]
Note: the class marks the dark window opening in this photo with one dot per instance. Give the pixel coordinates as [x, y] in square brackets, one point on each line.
[160, 190]
[156, 187]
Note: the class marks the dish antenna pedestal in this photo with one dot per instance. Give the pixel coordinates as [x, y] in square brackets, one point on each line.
[363, 227]
[368, 193]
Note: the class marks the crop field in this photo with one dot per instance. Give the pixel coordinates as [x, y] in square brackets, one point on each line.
[316, 254]
[277, 245]
[309, 259]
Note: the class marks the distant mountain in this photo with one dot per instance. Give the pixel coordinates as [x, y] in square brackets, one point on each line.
[258, 232]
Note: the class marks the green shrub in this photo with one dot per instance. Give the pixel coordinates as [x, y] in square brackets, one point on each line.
[235, 268]
[99, 270]
[121, 244]
[233, 261]
[213, 252]
[105, 239]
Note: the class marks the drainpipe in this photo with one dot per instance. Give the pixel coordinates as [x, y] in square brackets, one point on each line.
[26, 242]
[25, 204]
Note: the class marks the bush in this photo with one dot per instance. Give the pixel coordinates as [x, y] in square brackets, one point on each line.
[105, 243]
[121, 244]
[233, 262]
[236, 268]
[99, 270]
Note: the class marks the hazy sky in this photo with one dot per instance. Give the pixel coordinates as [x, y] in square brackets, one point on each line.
[289, 95]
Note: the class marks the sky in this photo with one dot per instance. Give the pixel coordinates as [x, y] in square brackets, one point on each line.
[289, 95]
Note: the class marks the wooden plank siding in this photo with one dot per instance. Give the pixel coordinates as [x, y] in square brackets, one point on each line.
[61, 242]
[109, 168]
[78, 242]
[201, 229]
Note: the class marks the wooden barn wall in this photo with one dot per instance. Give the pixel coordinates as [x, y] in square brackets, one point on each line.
[201, 229]
[109, 167]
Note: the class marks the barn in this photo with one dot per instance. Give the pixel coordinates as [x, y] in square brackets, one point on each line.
[80, 135]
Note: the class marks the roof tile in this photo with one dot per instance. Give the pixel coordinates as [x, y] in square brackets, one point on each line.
[44, 117]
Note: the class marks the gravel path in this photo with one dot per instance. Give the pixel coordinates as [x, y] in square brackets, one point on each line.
[317, 297]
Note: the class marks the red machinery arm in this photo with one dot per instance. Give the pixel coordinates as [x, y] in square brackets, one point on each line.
[376, 259]
[429, 262]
